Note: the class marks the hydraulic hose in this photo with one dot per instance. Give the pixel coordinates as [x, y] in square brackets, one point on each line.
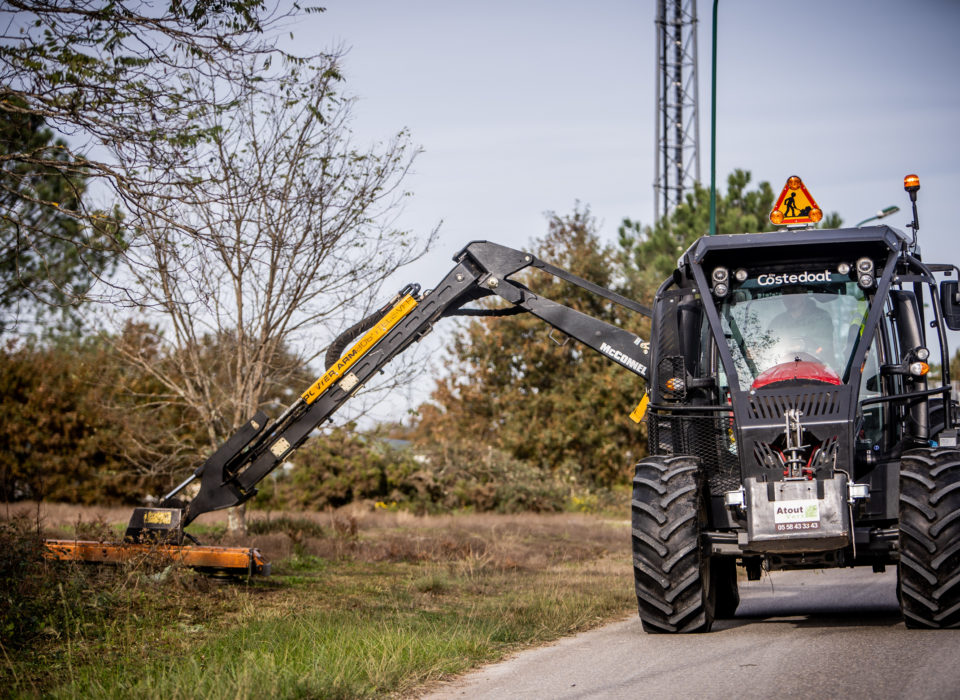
[340, 343]
[509, 311]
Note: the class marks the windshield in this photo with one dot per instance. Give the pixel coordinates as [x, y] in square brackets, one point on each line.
[769, 325]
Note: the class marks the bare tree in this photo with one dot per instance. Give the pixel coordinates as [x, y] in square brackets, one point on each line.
[132, 88]
[290, 235]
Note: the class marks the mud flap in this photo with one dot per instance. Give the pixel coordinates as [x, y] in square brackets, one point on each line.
[796, 516]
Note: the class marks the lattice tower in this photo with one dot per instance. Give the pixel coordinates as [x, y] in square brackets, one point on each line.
[678, 123]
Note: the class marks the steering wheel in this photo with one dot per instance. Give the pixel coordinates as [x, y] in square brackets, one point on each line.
[799, 356]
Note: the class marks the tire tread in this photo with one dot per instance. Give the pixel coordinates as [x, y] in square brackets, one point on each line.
[929, 580]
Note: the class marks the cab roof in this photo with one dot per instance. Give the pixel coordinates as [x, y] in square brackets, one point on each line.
[811, 245]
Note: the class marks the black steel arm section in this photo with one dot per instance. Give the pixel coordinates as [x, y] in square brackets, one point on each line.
[230, 475]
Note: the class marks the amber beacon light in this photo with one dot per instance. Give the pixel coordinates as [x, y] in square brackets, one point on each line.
[911, 183]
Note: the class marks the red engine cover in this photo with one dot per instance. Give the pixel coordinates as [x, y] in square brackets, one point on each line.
[797, 370]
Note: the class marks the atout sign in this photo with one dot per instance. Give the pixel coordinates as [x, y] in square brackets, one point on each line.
[796, 511]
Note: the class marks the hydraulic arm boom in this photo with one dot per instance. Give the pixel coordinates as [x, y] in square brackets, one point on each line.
[230, 475]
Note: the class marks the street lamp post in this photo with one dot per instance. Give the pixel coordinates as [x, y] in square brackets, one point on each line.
[713, 129]
[883, 213]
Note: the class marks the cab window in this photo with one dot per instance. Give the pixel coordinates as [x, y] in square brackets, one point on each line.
[768, 324]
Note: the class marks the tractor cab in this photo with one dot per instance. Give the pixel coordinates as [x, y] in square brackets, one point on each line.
[798, 356]
[791, 372]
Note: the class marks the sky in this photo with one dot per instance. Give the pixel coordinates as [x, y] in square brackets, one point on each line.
[531, 106]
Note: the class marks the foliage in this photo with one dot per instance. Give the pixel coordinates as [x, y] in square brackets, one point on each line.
[48, 255]
[332, 470]
[80, 424]
[70, 431]
[345, 466]
[117, 81]
[483, 478]
[560, 408]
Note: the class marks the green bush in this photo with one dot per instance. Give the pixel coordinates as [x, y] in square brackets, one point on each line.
[346, 466]
[333, 470]
[295, 528]
[488, 479]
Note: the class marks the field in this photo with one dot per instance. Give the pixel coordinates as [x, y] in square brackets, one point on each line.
[361, 603]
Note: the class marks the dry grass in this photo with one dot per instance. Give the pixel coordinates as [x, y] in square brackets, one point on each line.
[503, 542]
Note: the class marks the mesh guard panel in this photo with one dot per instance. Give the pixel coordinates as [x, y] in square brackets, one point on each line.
[712, 438]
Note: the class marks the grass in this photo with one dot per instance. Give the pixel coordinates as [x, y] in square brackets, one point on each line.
[379, 604]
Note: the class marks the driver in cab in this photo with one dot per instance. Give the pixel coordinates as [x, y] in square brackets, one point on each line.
[803, 327]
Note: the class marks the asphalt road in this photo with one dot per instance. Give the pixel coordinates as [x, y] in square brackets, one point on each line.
[810, 635]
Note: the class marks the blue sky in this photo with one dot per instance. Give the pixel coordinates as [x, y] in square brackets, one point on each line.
[525, 107]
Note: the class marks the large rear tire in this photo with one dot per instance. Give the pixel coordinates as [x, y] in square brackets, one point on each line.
[928, 581]
[671, 570]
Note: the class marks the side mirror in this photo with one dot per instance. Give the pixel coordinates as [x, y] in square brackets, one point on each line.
[950, 304]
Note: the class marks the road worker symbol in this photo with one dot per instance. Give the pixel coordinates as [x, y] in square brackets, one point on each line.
[795, 205]
[790, 207]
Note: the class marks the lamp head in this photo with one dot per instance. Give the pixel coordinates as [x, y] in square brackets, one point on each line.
[911, 183]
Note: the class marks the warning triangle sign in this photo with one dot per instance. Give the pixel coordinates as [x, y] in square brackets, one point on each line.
[795, 205]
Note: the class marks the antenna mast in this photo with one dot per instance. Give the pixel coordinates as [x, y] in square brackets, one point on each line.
[678, 122]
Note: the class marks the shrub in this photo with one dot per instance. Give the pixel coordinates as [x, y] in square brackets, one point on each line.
[295, 528]
[38, 596]
[488, 479]
[77, 425]
[336, 469]
[347, 466]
